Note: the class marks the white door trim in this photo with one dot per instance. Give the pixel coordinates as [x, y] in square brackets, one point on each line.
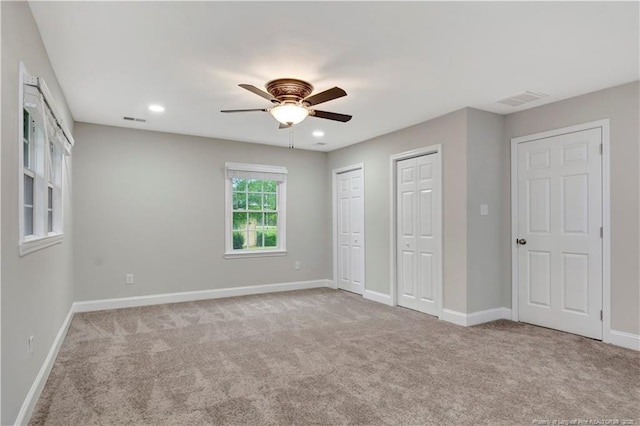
[606, 212]
[393, 160]
[334, 195]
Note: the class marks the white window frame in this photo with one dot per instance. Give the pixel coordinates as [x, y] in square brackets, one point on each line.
[53, 132]
[263, 170]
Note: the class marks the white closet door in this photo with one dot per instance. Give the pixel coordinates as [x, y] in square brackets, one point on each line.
[559, 240]
[419, 232]
[407, 233]
[351, 231]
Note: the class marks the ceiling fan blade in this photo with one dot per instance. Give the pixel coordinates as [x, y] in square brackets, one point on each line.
[331, 116]
[258, 92]
[327, 95]
[284, 126]
[245, 110]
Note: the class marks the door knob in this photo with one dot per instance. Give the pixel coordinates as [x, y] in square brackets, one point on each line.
[521, 241]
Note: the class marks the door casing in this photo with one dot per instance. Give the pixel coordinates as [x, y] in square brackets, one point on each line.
[606, 214]
[393, 160]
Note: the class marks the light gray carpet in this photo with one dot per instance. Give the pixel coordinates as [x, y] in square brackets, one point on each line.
[326, 357]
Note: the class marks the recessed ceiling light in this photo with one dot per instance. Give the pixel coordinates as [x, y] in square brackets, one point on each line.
[156, 108]
[318, 133]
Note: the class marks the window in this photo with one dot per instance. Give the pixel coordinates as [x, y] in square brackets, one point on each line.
[255, 210]
[45, 143]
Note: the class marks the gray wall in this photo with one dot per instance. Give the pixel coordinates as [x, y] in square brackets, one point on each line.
[476, 156]
[621, 105]
[487, 172]
[37, 289]
[449, 130]
[152, 204]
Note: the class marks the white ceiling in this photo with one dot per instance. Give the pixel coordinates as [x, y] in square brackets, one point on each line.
[400, 63]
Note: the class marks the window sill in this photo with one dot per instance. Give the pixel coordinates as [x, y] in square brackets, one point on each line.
[254, 253]
[35, 244]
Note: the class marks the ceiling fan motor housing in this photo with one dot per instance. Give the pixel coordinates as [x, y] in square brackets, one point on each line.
[289, 89]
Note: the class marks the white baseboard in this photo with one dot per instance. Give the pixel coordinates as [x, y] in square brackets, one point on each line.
[624, 339]
[480, 317]
[41, 379]
[454, 317]
[332, 284]
[475, 318]
[189, 296]
[377, 297]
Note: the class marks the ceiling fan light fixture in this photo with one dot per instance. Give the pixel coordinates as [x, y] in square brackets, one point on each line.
[289, 113]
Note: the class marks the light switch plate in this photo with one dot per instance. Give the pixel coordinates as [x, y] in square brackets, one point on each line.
[484, 209]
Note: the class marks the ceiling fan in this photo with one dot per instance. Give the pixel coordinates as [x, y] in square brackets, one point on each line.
[292, 101]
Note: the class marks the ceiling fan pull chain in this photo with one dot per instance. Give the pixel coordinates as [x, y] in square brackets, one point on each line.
[291, 138]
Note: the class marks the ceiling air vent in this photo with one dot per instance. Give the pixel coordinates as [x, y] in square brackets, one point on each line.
[522, 98]
[140, 120]
[320, 143]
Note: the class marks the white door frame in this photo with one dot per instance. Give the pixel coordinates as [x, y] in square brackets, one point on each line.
[334, 196]
[606, 211]
[393, 160]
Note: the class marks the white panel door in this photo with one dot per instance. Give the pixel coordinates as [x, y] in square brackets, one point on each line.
[419, 230]
[407, 187]
[351, 231]
[559, 232]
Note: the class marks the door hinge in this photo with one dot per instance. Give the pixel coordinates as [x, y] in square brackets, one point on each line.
[601, 315]
[601, 232]
[601, 148]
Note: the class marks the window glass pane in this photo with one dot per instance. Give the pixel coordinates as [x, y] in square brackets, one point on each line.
[38, 152]
[51, 162]
[50, 221]
[255, 185]
[255, 201]
[57, 165]
[269, 202]
[239, 184]
[267, 237]
[256, 219]
[25, 139]
[28, 190]
[271, 230]
[25, 123]
[255, 223]
[239, 200]
[270, 186]
[50, 198]
[239, 239]
[271, 219]
[25, 153]
[260, 236]
[28, 220]
[239, 221]
[251, 241]
[271, 237]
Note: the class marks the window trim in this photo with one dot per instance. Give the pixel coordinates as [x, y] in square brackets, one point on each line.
[30, 243]
[229, 252]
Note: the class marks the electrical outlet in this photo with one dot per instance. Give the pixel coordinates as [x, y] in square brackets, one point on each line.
[129, 279]
[297, 265]
[484, 209]
[30, 346]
